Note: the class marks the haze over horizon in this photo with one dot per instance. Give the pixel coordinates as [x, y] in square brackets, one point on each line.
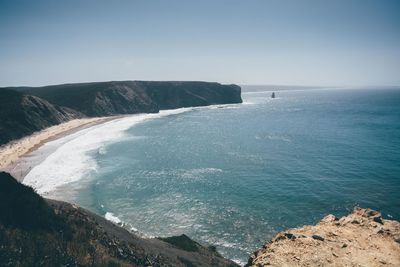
[317, 43]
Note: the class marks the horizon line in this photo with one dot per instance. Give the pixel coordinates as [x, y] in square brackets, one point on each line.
[224, 83]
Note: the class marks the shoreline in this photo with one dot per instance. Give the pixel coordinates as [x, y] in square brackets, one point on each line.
[72, 157]
[18, 157]
[14, 156]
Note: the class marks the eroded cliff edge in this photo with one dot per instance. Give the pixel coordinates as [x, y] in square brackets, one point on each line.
[362, 238]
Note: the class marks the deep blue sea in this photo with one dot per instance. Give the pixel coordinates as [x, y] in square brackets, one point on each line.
[235, 175]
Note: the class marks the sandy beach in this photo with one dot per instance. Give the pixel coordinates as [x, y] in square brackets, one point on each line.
[12, 152]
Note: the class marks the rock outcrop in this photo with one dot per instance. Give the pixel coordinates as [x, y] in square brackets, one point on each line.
[362, 238]
[21, 115]
[39, 232]
[128, 97]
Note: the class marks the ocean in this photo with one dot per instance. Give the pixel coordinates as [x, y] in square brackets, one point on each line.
[235, 175]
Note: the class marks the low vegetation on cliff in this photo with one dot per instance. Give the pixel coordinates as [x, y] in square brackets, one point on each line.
[22, 114]
[24, 110]
[39, 232]
[127, 97]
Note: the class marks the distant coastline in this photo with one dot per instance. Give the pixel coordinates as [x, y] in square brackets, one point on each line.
[32, 116]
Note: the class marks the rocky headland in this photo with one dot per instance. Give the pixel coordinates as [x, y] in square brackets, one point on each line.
[129, 97]
[25, 110]
[363, 238]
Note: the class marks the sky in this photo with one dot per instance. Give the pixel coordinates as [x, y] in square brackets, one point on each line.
[298, 42]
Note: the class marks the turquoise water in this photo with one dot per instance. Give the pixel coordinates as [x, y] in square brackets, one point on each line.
[234, 176]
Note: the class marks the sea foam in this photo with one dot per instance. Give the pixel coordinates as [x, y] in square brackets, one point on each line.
[71, 161]
[112, 218]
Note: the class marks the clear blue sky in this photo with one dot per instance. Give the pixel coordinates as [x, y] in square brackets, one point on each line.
[246, 42]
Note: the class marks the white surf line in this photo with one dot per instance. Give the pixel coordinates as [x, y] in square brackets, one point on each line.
[71, 161]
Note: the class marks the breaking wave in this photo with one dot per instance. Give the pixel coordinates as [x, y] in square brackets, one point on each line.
[72, 160]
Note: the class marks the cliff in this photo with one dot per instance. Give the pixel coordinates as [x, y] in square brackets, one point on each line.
[170, 95]
[362, 238]
[128, 97]
[24, 110]
[21, 115]
[39, 232]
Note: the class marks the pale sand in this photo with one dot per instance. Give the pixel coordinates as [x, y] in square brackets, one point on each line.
[13, 151]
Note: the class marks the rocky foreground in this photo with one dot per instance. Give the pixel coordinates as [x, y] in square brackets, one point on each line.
[362, 238]
[39, 232]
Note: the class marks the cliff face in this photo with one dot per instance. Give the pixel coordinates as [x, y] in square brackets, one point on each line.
[39, 232]
[128, 97]
[170, 95]
[362, 238]
[97, 99]
[24, 110]
[21, 115]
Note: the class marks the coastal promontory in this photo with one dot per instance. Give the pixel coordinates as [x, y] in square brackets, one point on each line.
[363, 238]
